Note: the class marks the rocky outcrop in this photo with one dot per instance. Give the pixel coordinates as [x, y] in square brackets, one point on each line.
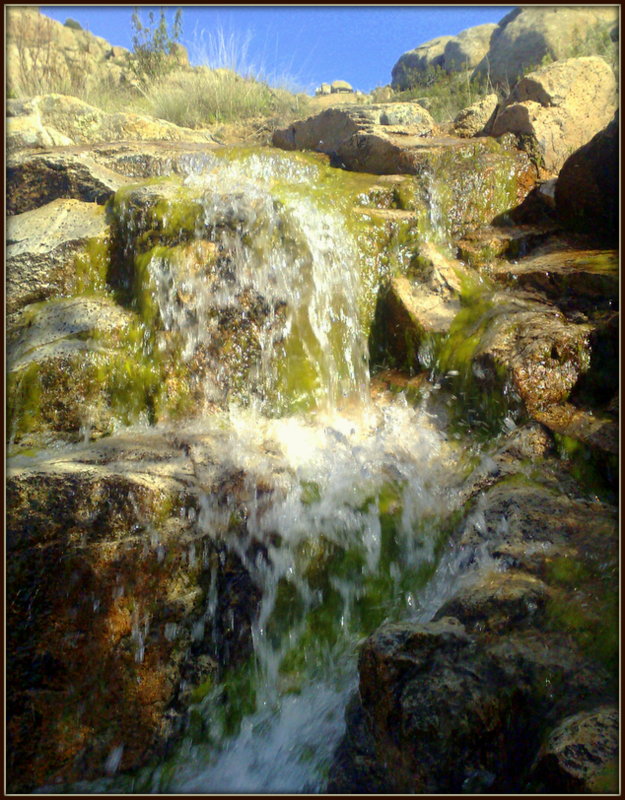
[472, 121]
[461, 703]
[468, 48]
[41, 51]
[361, 137]
[559, 108]
[448, 53]
[586, 192]
[52, 120]
[414, 63]
[526, 36]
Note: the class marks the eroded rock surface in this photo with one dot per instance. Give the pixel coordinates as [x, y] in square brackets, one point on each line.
[559, 108]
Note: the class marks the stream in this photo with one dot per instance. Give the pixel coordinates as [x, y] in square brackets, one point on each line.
[363, 485]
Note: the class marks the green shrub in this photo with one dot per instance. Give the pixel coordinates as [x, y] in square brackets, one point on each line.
[71, 23]
[154, 46]
[444, 94]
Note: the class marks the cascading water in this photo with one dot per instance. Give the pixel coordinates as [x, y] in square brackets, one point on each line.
[358, 495]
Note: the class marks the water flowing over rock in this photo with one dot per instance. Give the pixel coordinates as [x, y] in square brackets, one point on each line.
[311, 476]
[559, 107]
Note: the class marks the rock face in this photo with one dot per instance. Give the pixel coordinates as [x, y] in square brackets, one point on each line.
[42, 248]
[412, 64]
[450, 53]
[460, 703]
[472, 121]
[525, 36]
[558, 108]
[109, 583]
[586, 192]
[468, 48]
[49, 120]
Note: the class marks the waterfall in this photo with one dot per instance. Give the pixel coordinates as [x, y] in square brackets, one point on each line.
[359, 493]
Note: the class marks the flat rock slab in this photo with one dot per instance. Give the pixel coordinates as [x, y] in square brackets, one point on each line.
[568, 277]
[42, 246]
[34, 179]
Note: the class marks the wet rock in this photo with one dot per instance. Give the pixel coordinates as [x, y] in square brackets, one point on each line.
[541, 352]
[472, 121]
[571, 277]
[548, 110]
[598, 432]
[581, 754]
[485, 246]
[586, 191]
[525, 36]
[498, 600]
[54, 119]
[43, 246]
[109, 579]
[34, 180]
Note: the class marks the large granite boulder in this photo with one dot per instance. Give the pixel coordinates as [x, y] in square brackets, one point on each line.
[449, 53]
[54, 119]
[468, 48]
[587, 189]
[413, 64]
[559, 108]
[526, 36]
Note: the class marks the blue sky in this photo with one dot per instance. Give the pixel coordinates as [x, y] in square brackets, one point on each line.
[359, 44]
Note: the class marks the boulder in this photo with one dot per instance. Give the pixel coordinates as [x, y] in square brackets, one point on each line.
[599, 432]
[468, 48]
[472, 121]
[336, 87]
[108, 632]
[50, 120]
[527, 36]
[43, 246]
[414, 64]
[587, 189]
[581, 754]
[559, 108]
[331, 130]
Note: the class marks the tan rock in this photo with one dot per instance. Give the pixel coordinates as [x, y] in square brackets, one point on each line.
[414, 63]
[559, 108]
[54, 119]
[525, 36]
[42, 247]
[472, 120]
[468, 48]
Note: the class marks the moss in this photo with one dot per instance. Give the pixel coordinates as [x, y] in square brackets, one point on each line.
[24, 393]
[91, 267]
